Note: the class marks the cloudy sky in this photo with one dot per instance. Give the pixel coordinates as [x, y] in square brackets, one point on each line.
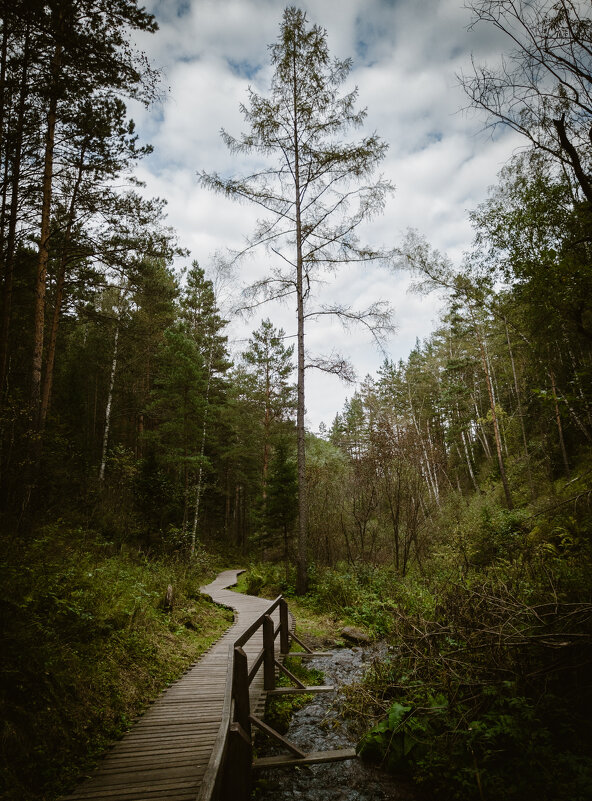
[406, 55]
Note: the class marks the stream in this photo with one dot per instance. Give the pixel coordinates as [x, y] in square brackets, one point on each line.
[319, 727]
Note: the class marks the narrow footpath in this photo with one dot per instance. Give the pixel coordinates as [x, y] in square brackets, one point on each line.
[166, 753]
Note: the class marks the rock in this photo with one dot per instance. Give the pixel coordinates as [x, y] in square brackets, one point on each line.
[353, 634]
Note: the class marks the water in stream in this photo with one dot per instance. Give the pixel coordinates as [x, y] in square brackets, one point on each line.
[320, 727]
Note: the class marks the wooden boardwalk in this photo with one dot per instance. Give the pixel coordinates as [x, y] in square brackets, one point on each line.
[166, 753]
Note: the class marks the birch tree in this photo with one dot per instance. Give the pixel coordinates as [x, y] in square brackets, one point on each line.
[469, 292]
[315, 191]
[205, 325]
[117, 312]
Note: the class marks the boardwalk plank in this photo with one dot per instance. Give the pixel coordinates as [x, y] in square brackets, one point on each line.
[165, 754]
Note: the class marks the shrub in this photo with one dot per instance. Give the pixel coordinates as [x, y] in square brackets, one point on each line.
[488, 696]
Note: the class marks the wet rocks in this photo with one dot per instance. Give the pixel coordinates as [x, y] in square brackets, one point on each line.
[356, 635]
[320, 726]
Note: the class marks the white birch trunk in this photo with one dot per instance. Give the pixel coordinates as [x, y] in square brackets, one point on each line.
[469, 464]
[484, 440]
[432, 484]
[201, 455]
[109, 402]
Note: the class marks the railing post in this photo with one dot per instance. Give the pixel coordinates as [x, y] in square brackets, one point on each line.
[236, 781]
[284, 627]
[268, 653]
[240, 691]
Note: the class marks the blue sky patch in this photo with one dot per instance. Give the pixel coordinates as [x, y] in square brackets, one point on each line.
[361, 49]
[165, 10]
[243, 69]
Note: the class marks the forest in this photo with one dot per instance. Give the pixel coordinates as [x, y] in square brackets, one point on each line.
[445, 509]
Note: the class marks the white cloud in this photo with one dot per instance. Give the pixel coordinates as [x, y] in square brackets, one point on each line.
[406, 55]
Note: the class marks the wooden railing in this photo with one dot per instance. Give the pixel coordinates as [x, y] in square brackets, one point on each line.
[229, 772]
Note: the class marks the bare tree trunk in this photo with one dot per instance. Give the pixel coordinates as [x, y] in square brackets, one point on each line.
[432, 463]
[559, 425]
[496, 431]
[519, 406]
[185, 467]
[577, 379]
[395, 514]
[3, 57]
[432, 484]
[227, 508]
[469, 463]
[201, 454]
[235, 511]
[431, 479]
[60, 284]
[3, 207]
[483, 438]
[12, 221]
[51, 348]
[302, 566]
[350, 558]
[266, 426]
[3, 138]
[576, 418]
[109, 403]
[494, 394]
[43, 256]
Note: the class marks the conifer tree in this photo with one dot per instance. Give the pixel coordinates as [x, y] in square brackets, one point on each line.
[281, 508]
[201, 314]
[177, 410]
[269, 363]
[316, 190]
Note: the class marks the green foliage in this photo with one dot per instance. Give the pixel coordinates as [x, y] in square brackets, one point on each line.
[401, 738]
[361, 595]
[269, 364]
[267, 580]
[279, 709]
[515, 749]
[487, 692]
[348, 595]
[88, 640]
[178, 398]
[281, 503]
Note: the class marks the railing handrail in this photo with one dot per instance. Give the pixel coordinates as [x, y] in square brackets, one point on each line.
[248, 633]
[210, 785]
[212, 776]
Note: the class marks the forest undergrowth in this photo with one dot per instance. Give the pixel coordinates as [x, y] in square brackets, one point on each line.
[486, 691]
[90, 637]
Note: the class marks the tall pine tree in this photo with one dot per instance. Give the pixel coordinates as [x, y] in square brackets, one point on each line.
[316, 190]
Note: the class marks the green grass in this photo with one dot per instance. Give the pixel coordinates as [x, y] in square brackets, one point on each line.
[88, 642]
[317, 628]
